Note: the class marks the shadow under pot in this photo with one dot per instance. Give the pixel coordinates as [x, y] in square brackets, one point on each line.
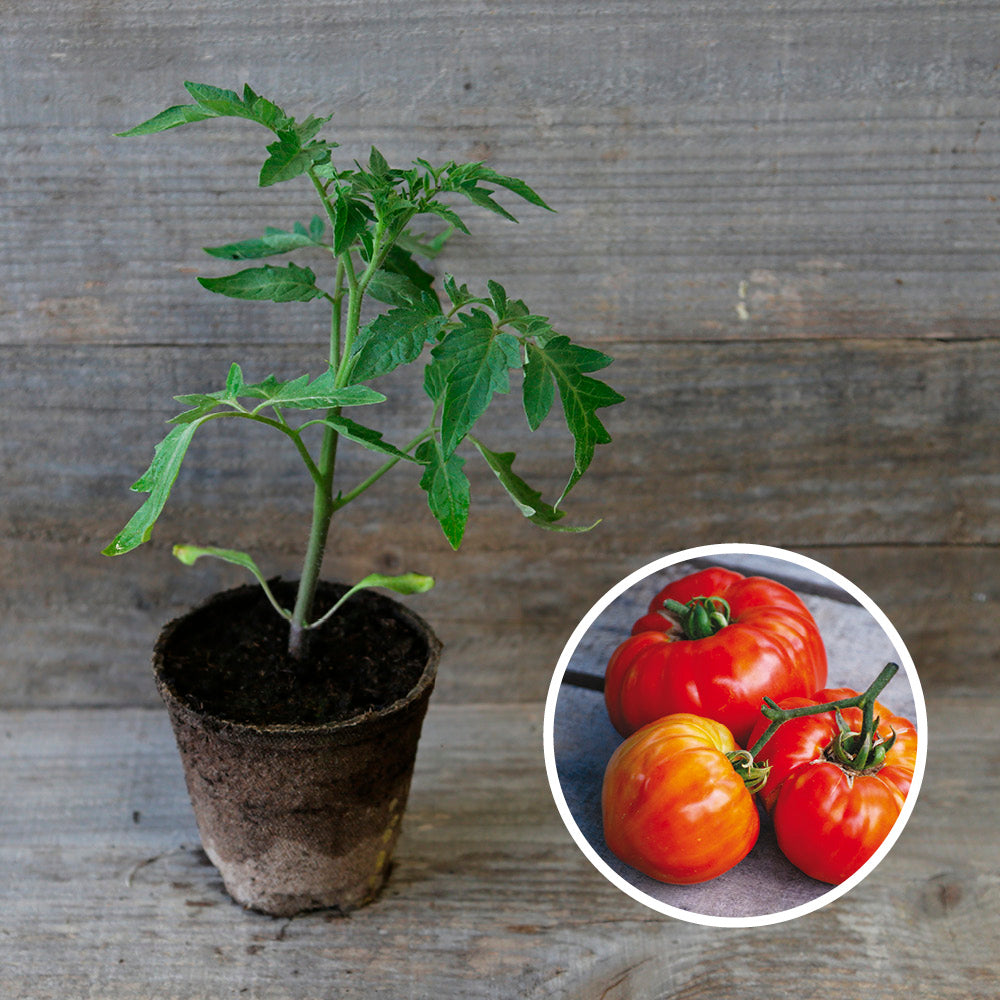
[298, 771]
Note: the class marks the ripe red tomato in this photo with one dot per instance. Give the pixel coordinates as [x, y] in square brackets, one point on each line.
[770, 646]
[673, 806]
[828, 818]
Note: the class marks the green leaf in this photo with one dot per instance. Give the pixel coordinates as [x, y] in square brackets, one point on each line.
[377, 164]
[321, 393]
[538, 389]
[234, 382]
[287, 159]
[157, 481]
[366, 436]
[565, 364]
[201, 404]
[352, 218]
[513, 184]
[405, 583]
[274, 241]
[481, 357]
[527, 500]
[484, 199]
[276, 284]
[436, 380]
[190, 554]
[399, 260]
[447, 213]
[447, 489]
[498, 296]
[221, 103]
[392, 339]
[181, 114]
[393, 288]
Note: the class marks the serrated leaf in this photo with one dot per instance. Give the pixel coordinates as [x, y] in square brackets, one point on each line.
[498, 295]
[309, 128]
[566, 364]
[276, 284]
[274, 241]
[399, 260]
[352, 218]
[321, 393]
[365, 436]
[377, 163]
[220, 102]
[447, 489]
[157, 481]
[200, 403]
[481, 358]
[392, 339]
[538, 389]
[181, 114]
[447, 213]
[436, 380]
[264, 389]
[527, 500]
[484, 198]
[287, 159]
[513, 184]
[393, 288]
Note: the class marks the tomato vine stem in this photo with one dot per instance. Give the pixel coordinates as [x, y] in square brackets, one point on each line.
[851, 750]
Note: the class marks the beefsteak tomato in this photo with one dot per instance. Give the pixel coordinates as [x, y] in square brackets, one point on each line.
[673, 806]
[830, 818]
[714, 643]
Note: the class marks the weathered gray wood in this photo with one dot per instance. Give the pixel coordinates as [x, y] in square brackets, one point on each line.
[105, 894]
[80, 628]
[720, 170]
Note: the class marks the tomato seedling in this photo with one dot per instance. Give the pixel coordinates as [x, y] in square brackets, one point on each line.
[471, 343]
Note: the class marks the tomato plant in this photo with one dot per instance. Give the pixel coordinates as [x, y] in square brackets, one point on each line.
[837, 780]
[674, 807]
[717, 655]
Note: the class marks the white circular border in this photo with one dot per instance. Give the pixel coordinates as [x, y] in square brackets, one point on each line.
[699, 552]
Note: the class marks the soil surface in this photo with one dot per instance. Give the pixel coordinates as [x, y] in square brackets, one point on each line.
[230, 659]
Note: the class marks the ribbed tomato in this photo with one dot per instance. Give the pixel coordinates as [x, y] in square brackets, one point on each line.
[715, 643]
[830, 818]
[673, 806]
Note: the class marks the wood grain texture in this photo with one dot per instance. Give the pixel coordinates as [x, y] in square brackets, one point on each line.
[105, 893]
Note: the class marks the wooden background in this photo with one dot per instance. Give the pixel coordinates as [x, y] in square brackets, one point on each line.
[781, 220]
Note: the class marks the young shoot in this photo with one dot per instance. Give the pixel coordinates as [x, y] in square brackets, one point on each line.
[468, 343]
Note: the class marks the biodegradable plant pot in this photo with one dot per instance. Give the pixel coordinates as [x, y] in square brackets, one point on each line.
[295, 815]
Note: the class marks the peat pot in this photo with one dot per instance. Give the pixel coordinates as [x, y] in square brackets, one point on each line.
[298, 815]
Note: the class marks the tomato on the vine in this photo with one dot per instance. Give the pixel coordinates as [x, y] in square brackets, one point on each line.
[714, 644]
[830, 814]
[673, 805]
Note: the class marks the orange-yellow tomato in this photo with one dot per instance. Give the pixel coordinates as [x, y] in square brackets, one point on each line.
[673, 806]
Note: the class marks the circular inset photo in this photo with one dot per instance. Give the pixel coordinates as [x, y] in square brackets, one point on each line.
[735, 735]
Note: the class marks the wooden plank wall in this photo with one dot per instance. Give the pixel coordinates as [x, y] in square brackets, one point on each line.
[781, 220]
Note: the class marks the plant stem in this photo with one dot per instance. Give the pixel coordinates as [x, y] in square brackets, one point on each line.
[323, 508]
[864, 701]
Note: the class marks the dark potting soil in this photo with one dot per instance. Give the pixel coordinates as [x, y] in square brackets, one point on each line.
[230, 659]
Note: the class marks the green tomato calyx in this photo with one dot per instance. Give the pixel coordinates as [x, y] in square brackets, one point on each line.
[701, 617]
[754, 775]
